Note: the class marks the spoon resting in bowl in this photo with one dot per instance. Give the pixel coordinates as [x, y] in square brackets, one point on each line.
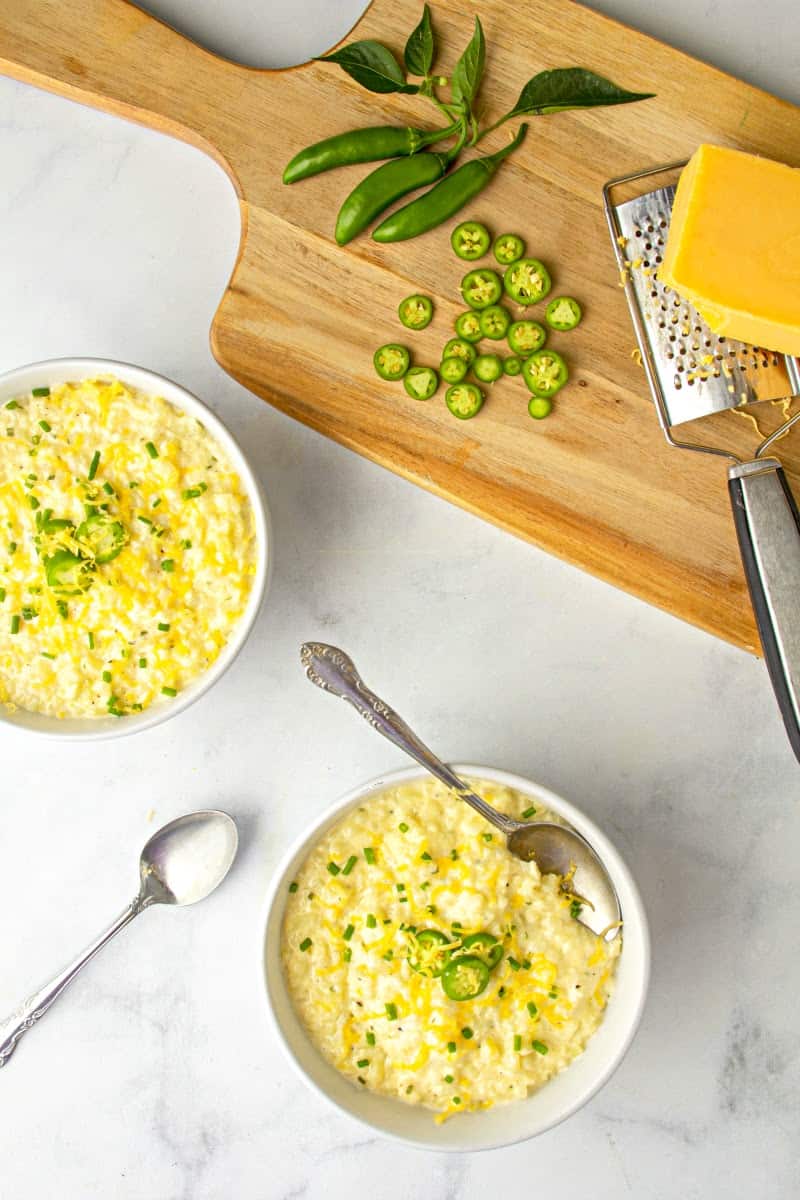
[556, 849]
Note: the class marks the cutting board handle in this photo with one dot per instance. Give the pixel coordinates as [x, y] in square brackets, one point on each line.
[111, 55]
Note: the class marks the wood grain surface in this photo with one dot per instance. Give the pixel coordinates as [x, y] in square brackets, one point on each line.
[595, 483]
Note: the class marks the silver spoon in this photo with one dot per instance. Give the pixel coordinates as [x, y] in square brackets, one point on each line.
[555, 849]
[183, 863]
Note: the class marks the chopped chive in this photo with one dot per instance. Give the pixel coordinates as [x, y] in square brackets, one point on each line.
[40, 391]
[388, 956]
[451, 1047]
[456, 924]
[142, 662]
[456, 1099]
[348, 954]
[369, 855]
[333, 869]
[90, 637]
[95, 463]
[575, 909]
[156, 502]
[529, 812]
[517, 1042]
[348, 933]
[2, 594]
[526, 964]
[306, 944]
[512, 962]
[363, 1062]
[371, 922]
[144, 520]
[106, 677]
[501, 991]
[487, 837]
[168, 565]
[46, 655]
[151, 450]
[12, 547]
[403, 827]
[168, 691]
[293, 886]
[163, 626]
[186, 544]
[466, 1032]
[12, 404]
[136, 708]
[425, 884]
[108, 489]
[28, 613]
[431, 908]
[193, 492]
[425, 856]
[401, 887]
[448, 1078]
[15, 623]
[34, 503]
[134, 483]
[387, 921]
[370, 1039]
[45, 425]
[391, 1012]
[539, 1047]
[63, 610]
[532, 1009]
[454, 855]
[348, 866]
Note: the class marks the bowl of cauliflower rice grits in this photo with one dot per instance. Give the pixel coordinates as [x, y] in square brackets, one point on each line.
[134, 548]
[435, 987]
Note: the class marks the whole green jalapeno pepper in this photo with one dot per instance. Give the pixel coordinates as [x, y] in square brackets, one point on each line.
[357, 146]
[446, 198]
[382, 187]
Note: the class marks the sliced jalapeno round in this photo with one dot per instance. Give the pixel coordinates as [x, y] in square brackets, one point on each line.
[508, 247]
[470, 240]
[391, 361]
[526, 337]
[415, 312]
[545, 373]
[459, 348]
[484, 946]
[465, 977]
[420, 382]
[104, 537]
[481, 288]
[539, 407]
[512, 364]
[453, 369]
[563, 313]
[465, 400]
[68, 574]
[527, 281]
[468, 326]
[429, 952]
[487, 367]
[495, 322]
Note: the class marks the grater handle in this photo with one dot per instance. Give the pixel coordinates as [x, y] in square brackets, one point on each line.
[768, 528]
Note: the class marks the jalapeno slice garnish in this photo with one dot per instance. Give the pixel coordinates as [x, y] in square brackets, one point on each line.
[104, 537]
[429, 952]
[470, 240]
[465, 400]
[391, 361]
[484, 946]
[563, 313]
[468, 326]
[453, 369]
[508, 248]
[526, 337]
[481, 288]
[539, 407]
[495, 322]
[512, 364]
[527, 281]
[487, 367]
[459, 348]
[420, 382]
[415, 312]
[465, 977]
[68, 574]
[545, 373]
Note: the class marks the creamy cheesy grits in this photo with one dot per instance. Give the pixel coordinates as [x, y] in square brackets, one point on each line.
[429, 964]
[127, 550]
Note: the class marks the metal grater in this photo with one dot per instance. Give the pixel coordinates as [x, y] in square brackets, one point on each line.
[693, 372]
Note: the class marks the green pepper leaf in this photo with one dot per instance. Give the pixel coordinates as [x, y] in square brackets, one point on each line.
[570, 87]
[421, 47]
[468, 71]
[371, 65]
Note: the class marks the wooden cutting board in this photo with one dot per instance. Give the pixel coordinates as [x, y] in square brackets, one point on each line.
[595, 483]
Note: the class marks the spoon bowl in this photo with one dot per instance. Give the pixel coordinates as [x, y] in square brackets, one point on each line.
[188, 858]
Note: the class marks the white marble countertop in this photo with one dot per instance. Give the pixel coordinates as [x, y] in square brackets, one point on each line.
[157, 1076]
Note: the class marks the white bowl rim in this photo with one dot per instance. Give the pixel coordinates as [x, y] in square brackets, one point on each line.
[565, 808]
[99, 728]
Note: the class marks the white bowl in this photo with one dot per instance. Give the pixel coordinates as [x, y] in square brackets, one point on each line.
[507, 1123]
[51, 374]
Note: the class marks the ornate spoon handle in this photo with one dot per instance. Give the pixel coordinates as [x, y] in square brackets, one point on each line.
[34, 1008]
[334, 671]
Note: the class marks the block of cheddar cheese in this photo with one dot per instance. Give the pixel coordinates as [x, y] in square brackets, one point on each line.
[733, 247]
